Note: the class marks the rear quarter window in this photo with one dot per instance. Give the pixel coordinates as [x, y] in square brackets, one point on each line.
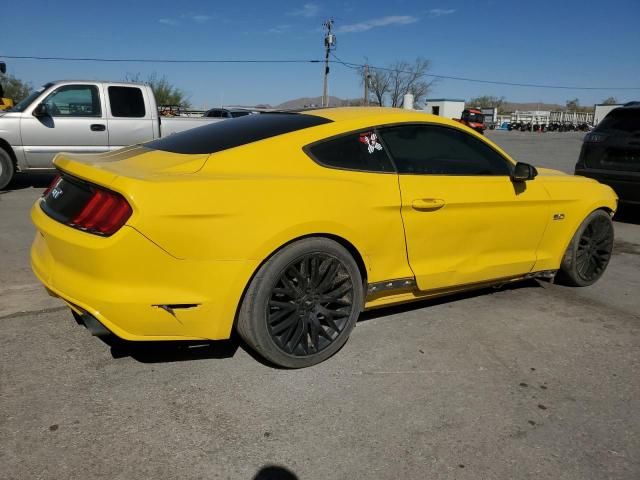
[353, 151]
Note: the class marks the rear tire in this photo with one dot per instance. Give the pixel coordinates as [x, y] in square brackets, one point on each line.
[302, 304]
[7, 169]
[589, 252]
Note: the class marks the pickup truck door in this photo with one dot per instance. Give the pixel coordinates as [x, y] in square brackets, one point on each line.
[75, 122]
[465, 220]
[130, 119]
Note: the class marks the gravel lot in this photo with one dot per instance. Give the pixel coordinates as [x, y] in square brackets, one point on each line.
[534, 381]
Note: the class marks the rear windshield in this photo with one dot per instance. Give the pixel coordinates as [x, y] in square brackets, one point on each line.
[623, 119]
[233, 133]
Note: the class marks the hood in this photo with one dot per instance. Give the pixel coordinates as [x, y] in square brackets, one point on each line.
[550, 172]
[134, 162]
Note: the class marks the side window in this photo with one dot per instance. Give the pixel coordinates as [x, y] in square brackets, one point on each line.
[435, 150]
[74, 101]
[126, 102]
[354, 151]
[214, 113]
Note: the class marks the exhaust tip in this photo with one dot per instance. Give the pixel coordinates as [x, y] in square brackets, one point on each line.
[92, 324]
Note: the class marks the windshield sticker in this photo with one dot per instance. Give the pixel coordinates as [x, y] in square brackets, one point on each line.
[370, 139]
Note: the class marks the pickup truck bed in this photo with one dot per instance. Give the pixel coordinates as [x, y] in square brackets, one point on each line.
[80, 116]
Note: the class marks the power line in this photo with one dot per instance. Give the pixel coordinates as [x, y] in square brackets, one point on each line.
[358, 66]
[153, 60]
[351, 65]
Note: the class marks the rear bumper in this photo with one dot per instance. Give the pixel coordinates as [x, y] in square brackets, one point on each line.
[124, 281]
[626, 186]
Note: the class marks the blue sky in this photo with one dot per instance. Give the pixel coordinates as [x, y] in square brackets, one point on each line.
[563, 42]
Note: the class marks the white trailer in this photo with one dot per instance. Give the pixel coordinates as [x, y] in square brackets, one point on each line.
[573, 118]
[601, 110]
[531, 117]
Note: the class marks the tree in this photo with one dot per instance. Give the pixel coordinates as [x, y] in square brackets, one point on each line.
[14, 88]
[487, 101]
[165, 92]
[391, 84]
[610, 101]
[573, 104]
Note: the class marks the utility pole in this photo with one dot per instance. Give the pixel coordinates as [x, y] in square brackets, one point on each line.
[329, 44]
[366, 85]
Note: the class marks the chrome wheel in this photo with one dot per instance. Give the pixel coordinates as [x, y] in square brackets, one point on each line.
[310, 304]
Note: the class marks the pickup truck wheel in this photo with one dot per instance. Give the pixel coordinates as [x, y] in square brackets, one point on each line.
[302, 303]
[589, 252]
[6, 168]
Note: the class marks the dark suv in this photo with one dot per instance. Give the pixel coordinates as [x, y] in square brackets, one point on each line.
[611, 152]
[227, 113]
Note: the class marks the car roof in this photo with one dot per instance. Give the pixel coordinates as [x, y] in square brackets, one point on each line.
[338, 114]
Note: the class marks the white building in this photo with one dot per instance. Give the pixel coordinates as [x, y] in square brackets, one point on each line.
[444, 107]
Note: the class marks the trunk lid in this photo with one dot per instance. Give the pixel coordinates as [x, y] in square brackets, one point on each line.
[137, 162]
[99, 193]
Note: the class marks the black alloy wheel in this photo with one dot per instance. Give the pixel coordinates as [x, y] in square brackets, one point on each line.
[594, 249]
[302, 303]
[589, 252]
[310, 304]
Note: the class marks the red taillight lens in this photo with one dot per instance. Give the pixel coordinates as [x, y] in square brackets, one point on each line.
[54, 182]
[105, 213]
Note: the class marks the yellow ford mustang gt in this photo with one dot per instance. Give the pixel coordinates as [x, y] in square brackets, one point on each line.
[285, 226]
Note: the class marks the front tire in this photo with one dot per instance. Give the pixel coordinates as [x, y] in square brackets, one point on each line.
[7, 169]
[589, 252]
[302, 304]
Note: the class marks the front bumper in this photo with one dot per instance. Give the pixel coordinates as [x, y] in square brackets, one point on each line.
[124, 281]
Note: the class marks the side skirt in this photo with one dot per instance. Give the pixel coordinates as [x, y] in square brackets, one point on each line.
[381, 294]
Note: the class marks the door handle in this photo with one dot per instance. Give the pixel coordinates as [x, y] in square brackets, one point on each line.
[428, 204]
[97, 127]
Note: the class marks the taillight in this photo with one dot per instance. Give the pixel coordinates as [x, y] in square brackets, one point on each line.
[54, 182]
[104, 213]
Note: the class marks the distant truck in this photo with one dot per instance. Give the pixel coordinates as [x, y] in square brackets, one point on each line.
[473, 118]
[80, 116]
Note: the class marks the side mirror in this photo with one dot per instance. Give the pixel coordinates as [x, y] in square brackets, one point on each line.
[523, 172]
[3, 67]
[41, 110]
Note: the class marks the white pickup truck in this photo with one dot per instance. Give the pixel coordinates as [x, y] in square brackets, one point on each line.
[81, 116]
